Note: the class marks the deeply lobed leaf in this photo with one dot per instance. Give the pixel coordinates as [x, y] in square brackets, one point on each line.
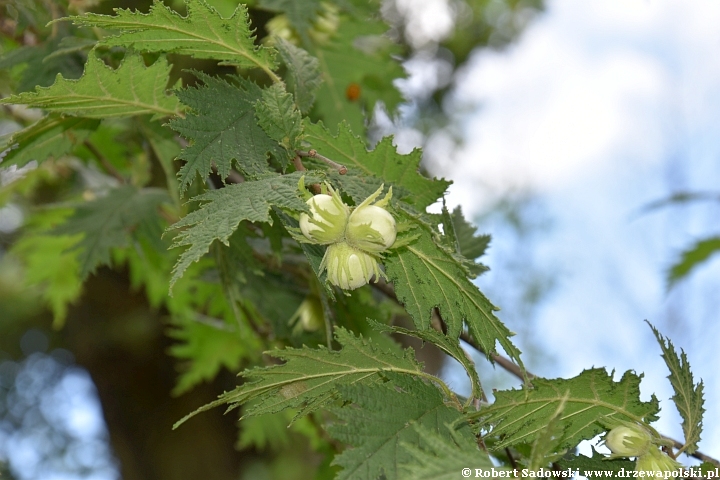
[203, 33]
[309, 378]
[688, 396]
[520, 415]
[131, 89]
[383, 417]
[304, 72]
[224, 209]
[224, 131]
[383, 163]
[107, 223]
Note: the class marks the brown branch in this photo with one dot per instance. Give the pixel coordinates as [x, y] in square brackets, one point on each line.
[297, 161]
[342, 169]
[109, 167]
[515, 370]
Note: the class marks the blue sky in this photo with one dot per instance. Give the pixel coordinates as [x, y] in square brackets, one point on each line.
[598, 109]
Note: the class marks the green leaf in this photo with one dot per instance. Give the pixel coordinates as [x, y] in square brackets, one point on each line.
[383, 162]
[442, 457]
[381, 418]
[520, 415]
[277, 115]
[309, 377]
[426, 277]
[203, 33]
[108, 223]
[51, 136]
[51, 267]
[448, 345]
[545, 449]
[597, 462]
[132, 89]
[371, 72]
[462, 237]
[300, 14]
[223, 130]
[304, 72]
[688, 396]
[692, 258]
[266, 431]
[207, 345]
[226, 208]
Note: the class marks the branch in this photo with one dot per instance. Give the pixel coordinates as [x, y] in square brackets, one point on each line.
[342, 169]
[515, 370]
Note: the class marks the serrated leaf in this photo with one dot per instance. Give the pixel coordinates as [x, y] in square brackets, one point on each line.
[50, 266]
[277, 115]
[51, 136]
[545, 448]
[463, 238]
[206, 348]
[350, 89]
[132, 89]
[225, 208]
[265, 431]
[427, 277]
[688, 396]
[223, 130]
[520, 415]
[383, 162]
[442, 457]
[692, 258]
[381, 418]
[108, 222]
[309, 377]
[598, 462]
[42, 65]
[304, 72]
[203, 33]
[448, 345]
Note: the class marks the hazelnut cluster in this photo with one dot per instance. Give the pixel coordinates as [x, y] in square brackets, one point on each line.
[354, 236]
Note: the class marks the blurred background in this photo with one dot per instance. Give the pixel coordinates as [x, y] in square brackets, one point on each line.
[583, 136]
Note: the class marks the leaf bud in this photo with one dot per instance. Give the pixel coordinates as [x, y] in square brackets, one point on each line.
[348, 267]
[655, 464]
[370, 227]
[628, 440]
[327, 220]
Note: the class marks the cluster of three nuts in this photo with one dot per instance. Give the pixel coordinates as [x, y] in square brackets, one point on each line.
[355, 236]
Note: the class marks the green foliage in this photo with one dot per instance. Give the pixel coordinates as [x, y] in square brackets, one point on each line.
[109, 222]
[203, 33]
[52, 136]
[309, 378]
[692, 258]
[520, 416]
[304, 72]
[277, 115]
[226, 208]
[224, 131]
[233, 143]
[131, 89]
[440, 457]
[688, 396]
[381, 417]
[370, 73]
[383, 162]
[428, 277]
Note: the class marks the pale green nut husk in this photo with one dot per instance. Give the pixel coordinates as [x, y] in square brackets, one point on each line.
[628, 441]
[327, 220]
[655, 463]
[348, 267]
[310, 314]
[370, 227]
